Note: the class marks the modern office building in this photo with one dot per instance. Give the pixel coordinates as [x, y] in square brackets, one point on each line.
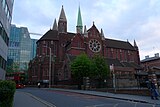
[6, 7]
[25, 48]
[14, 44]
[20, 47]
[33, 47]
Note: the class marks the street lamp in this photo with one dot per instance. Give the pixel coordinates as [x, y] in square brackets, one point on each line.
[51, 72]
[113, 77]
[50, 58]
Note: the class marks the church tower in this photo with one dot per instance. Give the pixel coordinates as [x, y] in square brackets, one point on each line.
[62, 23]
[79, 22]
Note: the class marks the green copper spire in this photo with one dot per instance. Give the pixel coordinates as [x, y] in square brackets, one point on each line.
[79, 22]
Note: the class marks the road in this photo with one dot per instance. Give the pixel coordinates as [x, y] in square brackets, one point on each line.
[69, 99]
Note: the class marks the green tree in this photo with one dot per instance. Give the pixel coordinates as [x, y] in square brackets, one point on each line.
[81, 67]
[100, 69]
[13, 68]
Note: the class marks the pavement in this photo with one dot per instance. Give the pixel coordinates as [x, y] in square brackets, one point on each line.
[22, 99]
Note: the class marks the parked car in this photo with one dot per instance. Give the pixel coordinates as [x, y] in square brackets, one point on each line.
[20, 85]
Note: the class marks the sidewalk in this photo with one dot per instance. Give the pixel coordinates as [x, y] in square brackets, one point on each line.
[22, 99]
[135, 98]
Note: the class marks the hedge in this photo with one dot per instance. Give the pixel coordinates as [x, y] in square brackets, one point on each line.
[7, 90]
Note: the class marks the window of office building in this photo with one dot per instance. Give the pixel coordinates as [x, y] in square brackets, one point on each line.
[7, 12]
[1, 29]
[6, 8]
[3, 3]
[4, 34]
[12, 1]
[2, 63]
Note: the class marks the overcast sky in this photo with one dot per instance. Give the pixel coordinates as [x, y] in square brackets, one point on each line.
[119, 19]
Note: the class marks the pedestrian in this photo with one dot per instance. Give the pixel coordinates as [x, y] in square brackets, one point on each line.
[39, 85]
[153, 90]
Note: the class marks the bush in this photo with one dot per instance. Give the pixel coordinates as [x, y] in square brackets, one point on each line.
[7, 90]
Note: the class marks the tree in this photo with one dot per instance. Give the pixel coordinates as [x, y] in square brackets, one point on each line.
[13, 68]
[100, 70]
[80, 68]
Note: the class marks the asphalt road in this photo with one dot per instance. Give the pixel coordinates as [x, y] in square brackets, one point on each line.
[69, 99]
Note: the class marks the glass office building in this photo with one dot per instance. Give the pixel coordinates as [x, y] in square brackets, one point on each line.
[20, 47]
[6, 7]
[33, 47]
[14, 44]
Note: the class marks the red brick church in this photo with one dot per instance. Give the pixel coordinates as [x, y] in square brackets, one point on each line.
[63, 46]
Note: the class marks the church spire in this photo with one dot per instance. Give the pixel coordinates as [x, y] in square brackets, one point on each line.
[62, 16]
[79, 22]
[55, 25]
[135, 45]
[102, 34]
[62, 23]
[85, 31]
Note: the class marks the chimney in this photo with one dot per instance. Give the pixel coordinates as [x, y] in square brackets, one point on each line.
[156, 55]
[146, 57]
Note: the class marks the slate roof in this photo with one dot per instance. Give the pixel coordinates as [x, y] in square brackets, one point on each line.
[53, 35]
[110, 61]
[110, 43]
[131, 64]
[116, 62]
[156, 67]
[50, 35]
[143, 73]
[70, 57]
[70, 34]
[150, 59]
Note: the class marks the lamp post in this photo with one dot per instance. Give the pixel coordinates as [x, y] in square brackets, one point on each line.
[49, 69]
[113, 77]
[50, 57]
[50, 76]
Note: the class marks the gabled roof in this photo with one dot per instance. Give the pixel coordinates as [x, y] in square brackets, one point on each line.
[50, 35]
[110, 43]
[93, 27]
